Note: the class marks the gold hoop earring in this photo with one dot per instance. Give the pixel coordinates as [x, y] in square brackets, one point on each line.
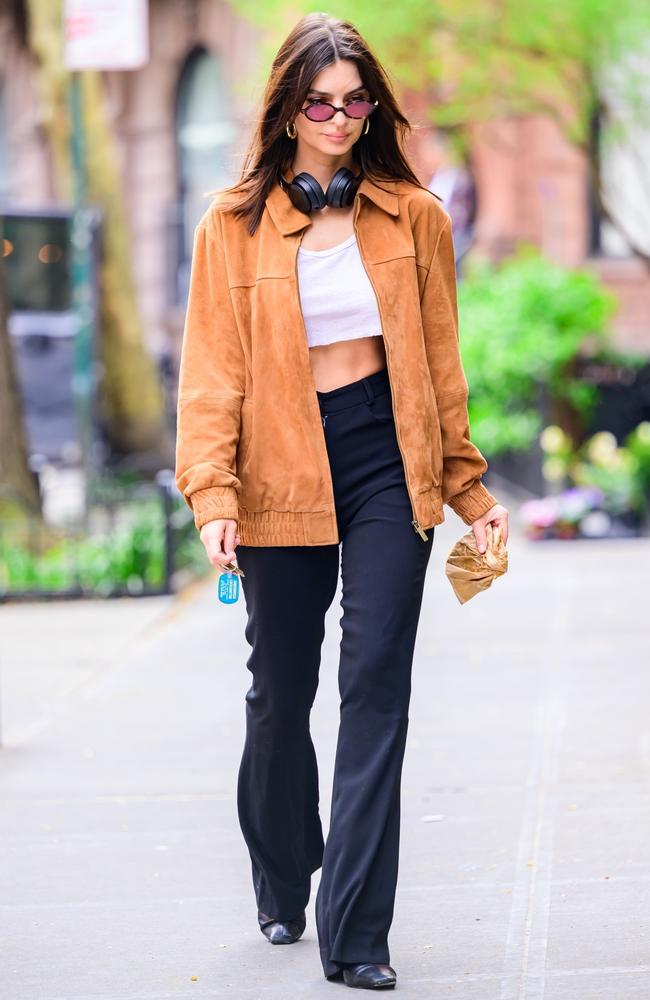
[292, 135]
[367, 128]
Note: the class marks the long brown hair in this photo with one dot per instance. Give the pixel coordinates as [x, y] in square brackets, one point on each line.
[317, 41]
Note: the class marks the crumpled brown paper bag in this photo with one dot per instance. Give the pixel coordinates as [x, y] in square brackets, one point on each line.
[469, 570]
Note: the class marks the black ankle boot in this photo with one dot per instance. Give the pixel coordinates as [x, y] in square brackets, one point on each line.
[282, 931]
[368, 976]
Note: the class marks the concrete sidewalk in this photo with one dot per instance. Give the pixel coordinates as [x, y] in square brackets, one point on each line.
[525, 859]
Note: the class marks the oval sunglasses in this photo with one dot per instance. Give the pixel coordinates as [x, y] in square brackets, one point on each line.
[322, 111]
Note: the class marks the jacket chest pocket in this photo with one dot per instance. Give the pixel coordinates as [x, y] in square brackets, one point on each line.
[250, 273]
[268, 317]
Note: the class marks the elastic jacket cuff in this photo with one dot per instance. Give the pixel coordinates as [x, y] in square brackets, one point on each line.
[472, 503]
[213, 503]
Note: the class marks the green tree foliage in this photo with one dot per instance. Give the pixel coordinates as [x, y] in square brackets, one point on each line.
[481, 61]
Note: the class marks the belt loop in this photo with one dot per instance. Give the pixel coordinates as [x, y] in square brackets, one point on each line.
[367, 385]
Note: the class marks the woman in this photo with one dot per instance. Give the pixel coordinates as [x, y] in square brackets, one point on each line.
[322, 401]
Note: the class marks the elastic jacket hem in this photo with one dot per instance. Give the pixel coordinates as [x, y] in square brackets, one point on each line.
[319, 527]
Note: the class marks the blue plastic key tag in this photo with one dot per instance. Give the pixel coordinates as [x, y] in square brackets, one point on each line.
[228, 588]
[229, 583]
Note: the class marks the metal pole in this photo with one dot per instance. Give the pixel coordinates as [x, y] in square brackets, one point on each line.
[82, 285]
[164, 480]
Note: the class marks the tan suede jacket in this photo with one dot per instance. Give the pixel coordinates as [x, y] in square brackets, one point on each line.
[250, 440]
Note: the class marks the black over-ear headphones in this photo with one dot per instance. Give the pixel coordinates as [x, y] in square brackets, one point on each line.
[307, 195]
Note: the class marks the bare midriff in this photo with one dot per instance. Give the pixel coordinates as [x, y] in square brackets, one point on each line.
[344, 361]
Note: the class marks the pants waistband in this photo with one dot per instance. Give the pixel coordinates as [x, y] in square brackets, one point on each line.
[362, 390]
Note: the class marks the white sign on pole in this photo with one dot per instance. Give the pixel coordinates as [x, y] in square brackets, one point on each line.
[106, 34]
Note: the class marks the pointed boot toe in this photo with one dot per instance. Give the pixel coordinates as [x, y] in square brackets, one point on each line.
[369, 976]
[282, 931]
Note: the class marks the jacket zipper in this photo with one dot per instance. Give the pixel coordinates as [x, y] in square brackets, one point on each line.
[313, 393]
[416, 524]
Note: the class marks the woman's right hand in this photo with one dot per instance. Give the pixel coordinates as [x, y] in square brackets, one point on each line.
[219, 540]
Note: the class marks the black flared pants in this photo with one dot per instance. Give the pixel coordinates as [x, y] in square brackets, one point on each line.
[288, 590]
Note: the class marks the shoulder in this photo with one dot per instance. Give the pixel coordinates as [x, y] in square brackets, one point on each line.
[420, 201]
[424, 213]
[221, 202]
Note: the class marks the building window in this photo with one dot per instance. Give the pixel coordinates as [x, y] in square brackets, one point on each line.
[204, 138]
[620, 137]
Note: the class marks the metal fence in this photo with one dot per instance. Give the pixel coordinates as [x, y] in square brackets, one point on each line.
[132, 538]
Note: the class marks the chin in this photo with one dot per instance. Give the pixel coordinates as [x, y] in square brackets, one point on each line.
[337, 147]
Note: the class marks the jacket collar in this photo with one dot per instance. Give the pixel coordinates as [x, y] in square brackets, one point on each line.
[289, 219]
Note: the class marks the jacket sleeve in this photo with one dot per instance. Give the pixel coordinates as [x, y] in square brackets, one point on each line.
[211, 385]
[463, 463]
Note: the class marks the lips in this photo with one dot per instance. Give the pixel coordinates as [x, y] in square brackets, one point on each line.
[334, 135]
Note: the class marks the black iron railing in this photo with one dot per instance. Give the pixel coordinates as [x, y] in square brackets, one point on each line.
[134, 538]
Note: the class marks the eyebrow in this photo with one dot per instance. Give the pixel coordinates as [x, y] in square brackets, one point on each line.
[323, 93]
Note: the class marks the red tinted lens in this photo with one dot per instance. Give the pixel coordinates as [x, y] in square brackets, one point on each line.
[359, 109]
[319, 112]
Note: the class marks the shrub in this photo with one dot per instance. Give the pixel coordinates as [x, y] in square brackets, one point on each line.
[524, 324]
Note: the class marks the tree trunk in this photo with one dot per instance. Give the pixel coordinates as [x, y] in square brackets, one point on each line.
[131, 396]
[17, 484]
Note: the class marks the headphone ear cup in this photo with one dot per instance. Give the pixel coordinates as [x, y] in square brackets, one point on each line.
[342, 188]
[306, 193]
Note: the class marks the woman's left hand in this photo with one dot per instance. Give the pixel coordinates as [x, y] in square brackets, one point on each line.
[497, 515]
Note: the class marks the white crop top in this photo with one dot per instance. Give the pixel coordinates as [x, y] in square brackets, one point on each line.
[338, 302]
